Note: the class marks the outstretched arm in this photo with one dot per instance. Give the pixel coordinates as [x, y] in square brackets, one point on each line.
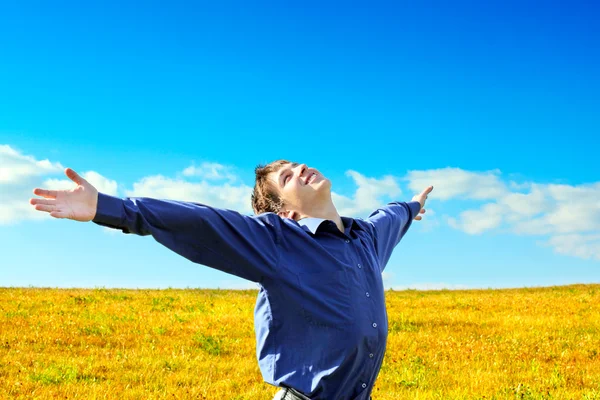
[222, 239]
[391, 222]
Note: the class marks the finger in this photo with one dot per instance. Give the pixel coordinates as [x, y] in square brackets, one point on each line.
[427, 191]
[59, 214]
[42, 201]
[74, 176]
[49, 194]
[418, 218]
[422, 211]
[44, 207]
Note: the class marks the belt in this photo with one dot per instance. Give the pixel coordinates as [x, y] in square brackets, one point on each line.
[293, 394]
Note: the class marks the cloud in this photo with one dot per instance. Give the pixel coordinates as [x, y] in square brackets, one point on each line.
[19, 174]
[451, 183]
[16, 209]
[526, 204]
[546, 210]
[16, 167]
[233, 197]
[477, 221]
[568, 214]
[577, 245]
[368, 196]
[211, 171]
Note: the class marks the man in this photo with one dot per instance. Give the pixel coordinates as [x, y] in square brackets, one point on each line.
[320, 316]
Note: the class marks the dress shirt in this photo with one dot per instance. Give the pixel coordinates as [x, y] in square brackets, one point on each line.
[320, 317]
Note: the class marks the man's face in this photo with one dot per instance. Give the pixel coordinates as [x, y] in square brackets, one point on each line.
[301, 188]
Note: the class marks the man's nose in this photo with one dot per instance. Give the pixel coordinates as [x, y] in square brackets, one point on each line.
[301, 168]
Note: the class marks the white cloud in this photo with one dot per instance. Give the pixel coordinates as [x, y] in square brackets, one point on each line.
[526, 204]
[577, 245]
[19, 175]
[477, 221]
[554, 209]
[16, 208]
[223, 196]
[16, 167]
[566, 213]
[211, 171]
[368, 196]
[451, 183]
[519, 186]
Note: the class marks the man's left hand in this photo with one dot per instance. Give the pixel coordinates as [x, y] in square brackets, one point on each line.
[421, 198]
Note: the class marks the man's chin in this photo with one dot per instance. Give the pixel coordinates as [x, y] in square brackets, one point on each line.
[323, 182]
[323, 188]
[321, 185]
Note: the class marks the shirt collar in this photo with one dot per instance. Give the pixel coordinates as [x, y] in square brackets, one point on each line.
[311, 224]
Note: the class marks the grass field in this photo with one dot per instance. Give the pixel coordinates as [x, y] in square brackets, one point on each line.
[539, 343]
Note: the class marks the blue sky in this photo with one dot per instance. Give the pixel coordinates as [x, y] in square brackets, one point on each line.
[496, 105]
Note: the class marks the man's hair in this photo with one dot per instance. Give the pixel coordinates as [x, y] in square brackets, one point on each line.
[265, 196]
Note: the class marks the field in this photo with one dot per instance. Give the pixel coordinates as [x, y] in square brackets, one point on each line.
[537, 343]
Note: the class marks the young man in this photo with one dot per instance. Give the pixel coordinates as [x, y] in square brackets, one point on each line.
[320, 317]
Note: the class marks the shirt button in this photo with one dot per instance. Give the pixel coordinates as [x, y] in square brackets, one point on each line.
[374, 324]
[371, 355]
[368, 295]
[347, 240]
[359, 266]
[364, 385]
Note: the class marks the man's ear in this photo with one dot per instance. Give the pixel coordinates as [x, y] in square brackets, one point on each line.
[287, 214]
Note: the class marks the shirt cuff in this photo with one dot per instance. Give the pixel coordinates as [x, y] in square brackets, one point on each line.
[415, 207]
[109, 211]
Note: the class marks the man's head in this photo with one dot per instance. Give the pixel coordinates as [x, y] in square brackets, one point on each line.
[289, 189]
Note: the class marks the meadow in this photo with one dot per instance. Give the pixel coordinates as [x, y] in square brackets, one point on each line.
[529, 343]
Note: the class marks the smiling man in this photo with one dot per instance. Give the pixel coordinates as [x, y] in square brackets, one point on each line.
[320, 317]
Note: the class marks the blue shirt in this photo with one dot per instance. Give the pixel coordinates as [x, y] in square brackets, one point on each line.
[320, 317]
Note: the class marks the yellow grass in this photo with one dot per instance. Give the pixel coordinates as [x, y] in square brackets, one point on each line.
[541, 343]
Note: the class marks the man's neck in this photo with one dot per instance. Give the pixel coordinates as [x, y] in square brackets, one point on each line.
[326, 212]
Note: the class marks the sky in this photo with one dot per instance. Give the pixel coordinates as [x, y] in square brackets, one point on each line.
[495, 105]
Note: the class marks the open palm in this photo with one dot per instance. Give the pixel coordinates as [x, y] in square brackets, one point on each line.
[78, 204]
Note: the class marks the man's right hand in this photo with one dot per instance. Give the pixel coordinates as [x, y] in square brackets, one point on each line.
[78, 204]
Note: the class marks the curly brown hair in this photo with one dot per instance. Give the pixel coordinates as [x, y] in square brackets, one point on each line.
[265, 197]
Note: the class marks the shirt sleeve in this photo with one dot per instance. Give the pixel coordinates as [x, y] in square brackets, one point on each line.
[222, 239]
[390, 223]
